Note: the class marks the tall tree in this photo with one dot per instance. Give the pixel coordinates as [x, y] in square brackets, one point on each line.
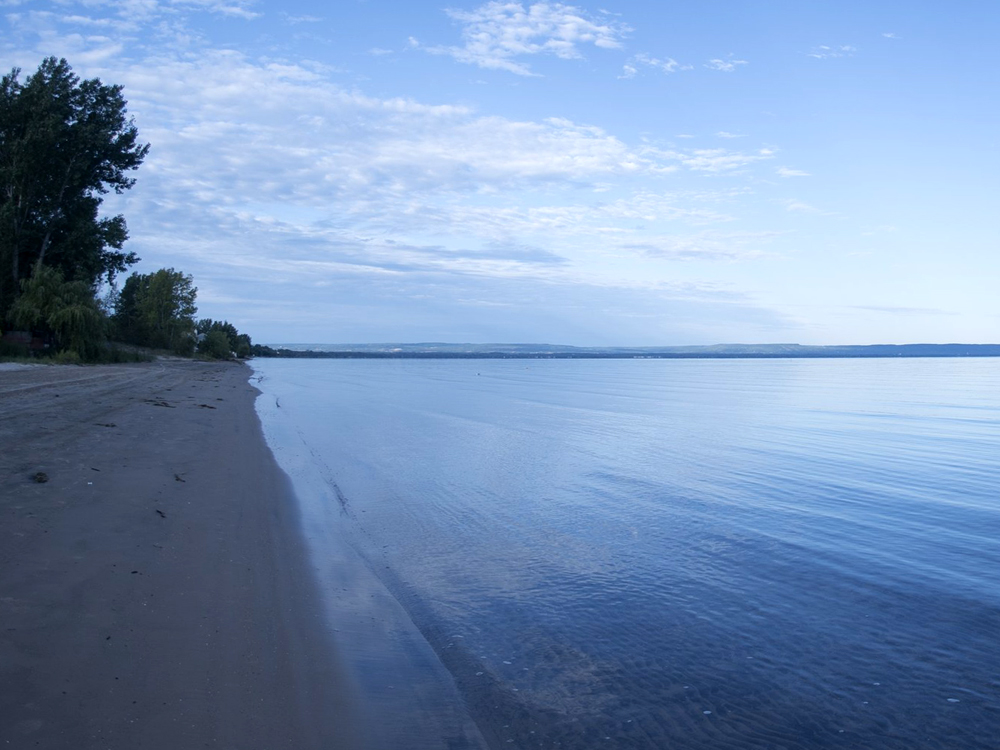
[63, 144]
[157, 309]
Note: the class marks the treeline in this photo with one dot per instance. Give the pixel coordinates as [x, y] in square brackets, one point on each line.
[157, 310]
[64, 143]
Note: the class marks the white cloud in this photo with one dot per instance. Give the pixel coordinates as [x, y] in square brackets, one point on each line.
[725, 134]
[728, 65]
[890, 35]
[823, 51]
[786, 172]
[264, 171]
[497, 33]
[295, 20]
[668, 65]
[798, 206]
[712, 159]
[234, 8]
[707, 245]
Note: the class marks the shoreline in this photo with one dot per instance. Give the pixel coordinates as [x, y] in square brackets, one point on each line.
[407, 696]
[154, 591]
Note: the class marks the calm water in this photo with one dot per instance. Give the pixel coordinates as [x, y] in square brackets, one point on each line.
[679, 554]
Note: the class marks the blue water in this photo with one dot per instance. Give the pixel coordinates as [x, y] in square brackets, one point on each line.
[680, 554]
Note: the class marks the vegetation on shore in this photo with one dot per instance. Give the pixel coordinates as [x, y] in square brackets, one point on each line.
[64, 143]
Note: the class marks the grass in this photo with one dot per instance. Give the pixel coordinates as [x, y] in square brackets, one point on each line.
[111, 353]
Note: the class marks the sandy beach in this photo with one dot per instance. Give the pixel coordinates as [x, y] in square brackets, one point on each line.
[154, 590]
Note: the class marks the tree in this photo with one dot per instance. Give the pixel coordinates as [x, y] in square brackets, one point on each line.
[157, 310]
[63, 143]
[215, 345]
[238, 343]
[64, 310]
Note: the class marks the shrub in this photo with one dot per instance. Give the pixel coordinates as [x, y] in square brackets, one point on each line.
[65, 310]
[215, 345]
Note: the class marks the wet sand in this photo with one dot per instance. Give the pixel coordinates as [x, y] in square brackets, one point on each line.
[154, 591]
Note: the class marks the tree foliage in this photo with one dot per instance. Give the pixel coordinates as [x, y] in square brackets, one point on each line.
[215, 345]
[222, 340]
[157, 310]
[67, 309]
[63, 144]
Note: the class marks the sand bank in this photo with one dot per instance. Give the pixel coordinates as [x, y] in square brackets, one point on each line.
[153, 591]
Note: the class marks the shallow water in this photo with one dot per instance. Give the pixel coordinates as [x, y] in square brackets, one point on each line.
[677, 553]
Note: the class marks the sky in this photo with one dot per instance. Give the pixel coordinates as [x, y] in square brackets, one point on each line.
[591, 173]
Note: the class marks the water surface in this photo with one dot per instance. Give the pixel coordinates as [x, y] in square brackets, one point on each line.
[678, 553]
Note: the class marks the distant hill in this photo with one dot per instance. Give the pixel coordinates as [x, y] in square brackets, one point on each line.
[559, 351]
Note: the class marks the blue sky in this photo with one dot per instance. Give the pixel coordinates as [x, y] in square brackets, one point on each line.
[634, 173]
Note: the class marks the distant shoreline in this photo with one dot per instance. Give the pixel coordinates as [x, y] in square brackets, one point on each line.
[542, 351]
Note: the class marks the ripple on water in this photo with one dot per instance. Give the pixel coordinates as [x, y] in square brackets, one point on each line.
[748, 554]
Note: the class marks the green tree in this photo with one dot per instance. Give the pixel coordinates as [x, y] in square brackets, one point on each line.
[64, 311]
[215, 345]
[238, 343]
[157, 310]
[63, 143]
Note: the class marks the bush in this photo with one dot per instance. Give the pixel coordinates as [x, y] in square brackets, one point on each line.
[114, 354]
[67, 357]
[8, 349]
[65, 310]
[215, 345]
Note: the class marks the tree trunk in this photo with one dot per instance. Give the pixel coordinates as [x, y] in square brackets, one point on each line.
[48, 233]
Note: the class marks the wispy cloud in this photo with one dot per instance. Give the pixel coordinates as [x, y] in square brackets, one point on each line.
[367, 200]
[235, 8]
[823, 51]
[496, 34]
[892, 310]
[726, 134]
[788, 172]
[890, 35]
[668, 65]
[797, 206]
[295, 20]
[708, 245]
[728, 65]
[720, 159]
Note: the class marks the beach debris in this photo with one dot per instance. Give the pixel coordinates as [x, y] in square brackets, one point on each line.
[177, 477]
[154, 402]
[40, 477]
[206, 406]
[161, 513]
[105, 424]
[954, 700]
[93, 469]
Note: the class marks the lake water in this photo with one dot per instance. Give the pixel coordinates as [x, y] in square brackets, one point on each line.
[677, 553]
